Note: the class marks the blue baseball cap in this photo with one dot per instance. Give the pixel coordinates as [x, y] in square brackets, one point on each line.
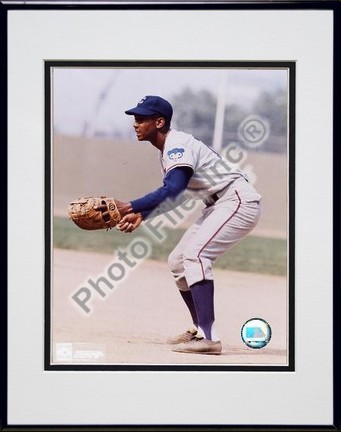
[151, 105]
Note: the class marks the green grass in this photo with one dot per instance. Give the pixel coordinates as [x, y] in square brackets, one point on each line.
[253, 254]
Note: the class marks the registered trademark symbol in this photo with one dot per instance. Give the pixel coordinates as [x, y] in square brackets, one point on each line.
[254, 130]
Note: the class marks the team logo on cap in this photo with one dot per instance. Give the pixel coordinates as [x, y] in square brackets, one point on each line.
[175, 153]
[142, 100]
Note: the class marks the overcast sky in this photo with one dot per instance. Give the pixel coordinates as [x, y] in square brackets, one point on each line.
[97, 97]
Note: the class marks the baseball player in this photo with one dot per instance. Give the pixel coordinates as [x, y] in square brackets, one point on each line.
[233, 208]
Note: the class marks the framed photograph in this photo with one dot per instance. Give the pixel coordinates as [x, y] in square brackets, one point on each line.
[192, 133]
[233, 111]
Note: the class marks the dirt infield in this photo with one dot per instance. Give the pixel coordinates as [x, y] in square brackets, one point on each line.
[130, 324]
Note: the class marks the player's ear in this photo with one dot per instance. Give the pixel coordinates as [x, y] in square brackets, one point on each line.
[160, 122]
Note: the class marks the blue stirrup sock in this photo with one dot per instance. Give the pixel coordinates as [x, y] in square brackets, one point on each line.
[203, 298]
[188, 299]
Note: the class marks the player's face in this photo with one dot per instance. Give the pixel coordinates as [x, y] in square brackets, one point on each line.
[145, 127]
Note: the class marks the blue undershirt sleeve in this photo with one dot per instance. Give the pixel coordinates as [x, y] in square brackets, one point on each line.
[174, 183]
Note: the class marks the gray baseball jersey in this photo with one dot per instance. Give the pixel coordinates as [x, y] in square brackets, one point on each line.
[233, 207]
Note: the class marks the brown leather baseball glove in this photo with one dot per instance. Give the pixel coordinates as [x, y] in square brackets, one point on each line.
[84, 213]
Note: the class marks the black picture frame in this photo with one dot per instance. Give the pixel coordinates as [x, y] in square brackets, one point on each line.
[290, 5]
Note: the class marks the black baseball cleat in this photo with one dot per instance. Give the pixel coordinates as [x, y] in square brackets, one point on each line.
[199, 346]
[183, 337]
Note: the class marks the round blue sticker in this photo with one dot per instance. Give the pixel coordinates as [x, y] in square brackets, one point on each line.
[256, 333]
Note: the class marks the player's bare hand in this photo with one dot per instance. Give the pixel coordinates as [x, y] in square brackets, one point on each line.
[130, 222]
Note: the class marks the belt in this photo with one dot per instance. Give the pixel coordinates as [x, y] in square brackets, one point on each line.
[212, 199]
